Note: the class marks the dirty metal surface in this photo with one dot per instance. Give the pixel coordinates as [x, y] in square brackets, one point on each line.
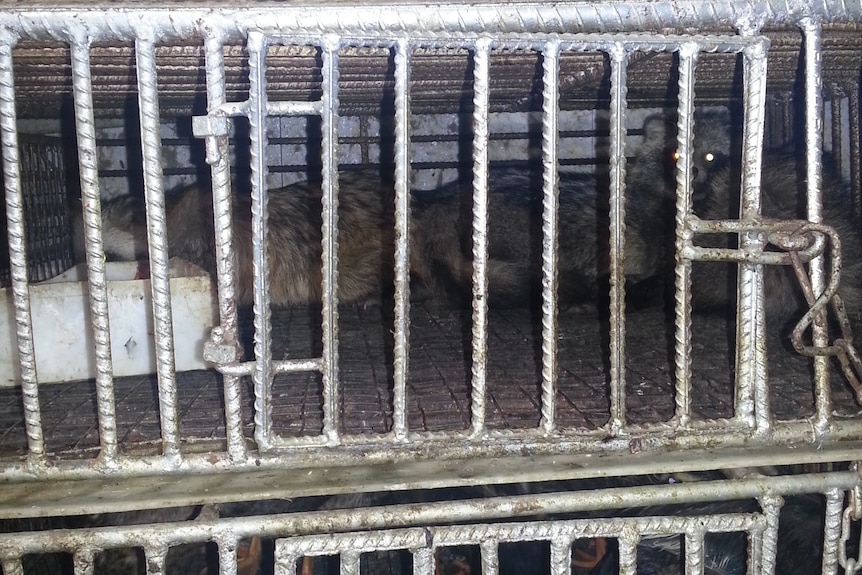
[438, 385]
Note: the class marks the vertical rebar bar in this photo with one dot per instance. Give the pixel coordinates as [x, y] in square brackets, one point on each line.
[855, 156]
[561, 557]
[481, 93]
[83, 562]
[617, 216]
[813, 150]
[423, 561]
[263, 373]
[751, 389]
[694, 552]
[837, 97]
[219, 159]
[832, 531]
[18, 256]
[349, 563]
[227, 558]
[688, 56]
[771, 505]
[148, 104]
[91, 208]
[628, 550]
[329, 123]
[550, 227]
[401, 351]
[156, 557]
[490, 552]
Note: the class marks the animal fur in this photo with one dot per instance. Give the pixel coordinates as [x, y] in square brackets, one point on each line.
[366, 237]
[515, 228]
[783, 190]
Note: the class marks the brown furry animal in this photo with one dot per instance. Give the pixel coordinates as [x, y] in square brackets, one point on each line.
[515, 227]
[366, 237]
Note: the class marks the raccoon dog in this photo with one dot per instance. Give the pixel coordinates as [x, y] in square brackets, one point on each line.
[515, 227]
[783, 193]
[366, 237]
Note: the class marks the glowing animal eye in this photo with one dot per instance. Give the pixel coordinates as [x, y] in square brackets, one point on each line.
[709, 157]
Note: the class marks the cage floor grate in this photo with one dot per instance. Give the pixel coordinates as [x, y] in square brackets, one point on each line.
[438, 397]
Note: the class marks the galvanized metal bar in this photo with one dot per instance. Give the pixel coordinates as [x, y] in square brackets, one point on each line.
[814, 175]
[832, 531]
[263, 375]
[487, 535]
[628, 543]
[771, 505]
[18, 256]
[489, 551]
[581, 42]
[836, 98]
[83, 562]
[751, 401]
[91, 208]
[219, 160]
[148, 104]
[156, 556]
[439, 19]
[688, 55]
[349, 563]
[12, 565]
[617, 216]
[481, 107]
[755, 550]
[285, 559]
[227, 558]
[423, 561]
[561, 556]
[329, 128]
[550, 227]
[694, 552]
[401, 351]
[855, 156]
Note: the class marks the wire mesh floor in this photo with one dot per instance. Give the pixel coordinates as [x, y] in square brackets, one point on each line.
[438, 382]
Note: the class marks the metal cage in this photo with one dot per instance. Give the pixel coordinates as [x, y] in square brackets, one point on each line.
[547, 469]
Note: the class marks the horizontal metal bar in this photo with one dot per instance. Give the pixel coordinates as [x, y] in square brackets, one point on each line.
[424, 514]
[405, 18]
[592, 445]
[59, 497]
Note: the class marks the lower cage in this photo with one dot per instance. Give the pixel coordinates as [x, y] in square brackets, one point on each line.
[800, 533]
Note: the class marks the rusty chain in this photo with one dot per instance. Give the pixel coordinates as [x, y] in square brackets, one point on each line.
[795, 237]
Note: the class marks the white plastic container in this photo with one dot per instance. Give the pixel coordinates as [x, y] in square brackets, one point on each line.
[64, 345]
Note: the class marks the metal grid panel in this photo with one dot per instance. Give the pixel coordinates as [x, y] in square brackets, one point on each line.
[750, 420]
